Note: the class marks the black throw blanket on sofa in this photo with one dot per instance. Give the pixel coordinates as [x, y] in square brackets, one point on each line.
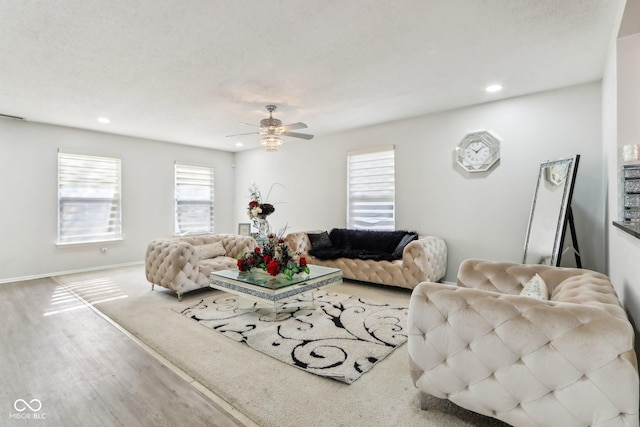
[362, 244]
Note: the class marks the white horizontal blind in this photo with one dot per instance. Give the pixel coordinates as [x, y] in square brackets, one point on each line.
[371, 189]
[89, 206]
[193, 199]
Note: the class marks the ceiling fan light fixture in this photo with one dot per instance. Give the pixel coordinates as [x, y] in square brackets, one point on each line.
[271, 138]
[271, 131]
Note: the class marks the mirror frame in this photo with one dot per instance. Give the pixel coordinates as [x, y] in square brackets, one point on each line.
[571, 163]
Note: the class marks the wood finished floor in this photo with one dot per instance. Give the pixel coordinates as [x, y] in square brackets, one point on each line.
[83, 370]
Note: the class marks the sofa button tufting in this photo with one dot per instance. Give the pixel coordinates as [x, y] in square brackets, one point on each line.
[562, 346]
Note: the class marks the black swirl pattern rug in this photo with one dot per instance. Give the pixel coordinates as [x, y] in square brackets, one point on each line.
[339, 337]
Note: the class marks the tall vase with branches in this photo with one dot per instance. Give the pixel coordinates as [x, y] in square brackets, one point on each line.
[258, 210]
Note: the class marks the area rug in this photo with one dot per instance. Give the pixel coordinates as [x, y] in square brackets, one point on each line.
[268, 391]
[337, 336]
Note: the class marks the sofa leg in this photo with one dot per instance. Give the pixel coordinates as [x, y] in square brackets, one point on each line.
[152, 285]
[179, 297]
[423, 400]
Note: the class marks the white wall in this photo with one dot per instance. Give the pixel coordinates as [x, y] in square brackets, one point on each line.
[28, 218]
[482, 215]
[624, 249]
[479, 215]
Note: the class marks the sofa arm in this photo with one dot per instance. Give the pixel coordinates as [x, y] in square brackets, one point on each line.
[169, 263]
[520, 359]
[299, 241]
[425, 259]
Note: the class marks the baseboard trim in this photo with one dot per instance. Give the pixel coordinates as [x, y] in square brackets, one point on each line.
[62, 273]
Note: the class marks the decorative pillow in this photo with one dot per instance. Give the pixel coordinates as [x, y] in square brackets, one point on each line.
[210, 250]
[320, 240]
[409, 237]
[536, 288]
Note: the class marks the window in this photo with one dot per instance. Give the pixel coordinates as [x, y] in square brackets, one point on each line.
[371, 189]
[194, 199]
[89, 208]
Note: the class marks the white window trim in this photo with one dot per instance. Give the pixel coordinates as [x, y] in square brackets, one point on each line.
[67, 183]
[184, 168]
[352, 221]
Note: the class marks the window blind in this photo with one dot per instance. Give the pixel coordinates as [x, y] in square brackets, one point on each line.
[89, 206]
[193, 199]
[371, 189]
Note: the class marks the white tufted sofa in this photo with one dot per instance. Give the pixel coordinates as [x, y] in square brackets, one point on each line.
[423, 259]
[173, 263]
[567, 361]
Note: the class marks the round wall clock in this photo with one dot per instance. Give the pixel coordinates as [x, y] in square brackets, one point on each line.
[478, 151]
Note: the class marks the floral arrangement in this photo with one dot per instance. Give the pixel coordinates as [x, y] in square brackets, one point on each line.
[256, 208]
[275, 258]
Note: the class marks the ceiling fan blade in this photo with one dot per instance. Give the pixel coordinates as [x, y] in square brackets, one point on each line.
[248, 124]
[294, 126]
[298, 135]
[238, 134]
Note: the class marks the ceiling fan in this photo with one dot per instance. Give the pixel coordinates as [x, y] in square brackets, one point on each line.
[272, 130]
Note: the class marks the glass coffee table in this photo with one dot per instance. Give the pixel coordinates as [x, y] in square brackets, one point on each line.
[276, 293]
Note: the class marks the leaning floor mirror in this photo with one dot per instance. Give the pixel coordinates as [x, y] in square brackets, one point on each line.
[551, 213]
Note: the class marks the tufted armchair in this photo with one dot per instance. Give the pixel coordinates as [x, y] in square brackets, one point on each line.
[174, 264]
[567, 361]
[423, 259]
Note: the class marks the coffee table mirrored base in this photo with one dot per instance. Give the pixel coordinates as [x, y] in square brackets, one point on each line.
[275, 296]
[276, 310]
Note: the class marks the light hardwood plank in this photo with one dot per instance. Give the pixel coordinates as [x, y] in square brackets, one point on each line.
[85, 371]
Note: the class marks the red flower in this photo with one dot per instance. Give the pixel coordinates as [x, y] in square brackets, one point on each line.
[267, 259]
[257, 249]
[253, 204]
[303, 261]
[241, 264]
[273, 268]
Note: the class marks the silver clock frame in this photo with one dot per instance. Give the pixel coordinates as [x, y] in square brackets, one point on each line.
[489, 140]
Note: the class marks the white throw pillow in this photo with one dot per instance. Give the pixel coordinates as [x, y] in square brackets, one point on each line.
[210, 250]
[536, 288]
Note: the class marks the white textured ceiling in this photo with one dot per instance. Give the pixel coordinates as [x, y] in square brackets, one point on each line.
[189, 71]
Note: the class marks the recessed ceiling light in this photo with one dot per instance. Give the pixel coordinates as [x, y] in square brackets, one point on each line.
[239, 144]
[493, 88]
[104, 120]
